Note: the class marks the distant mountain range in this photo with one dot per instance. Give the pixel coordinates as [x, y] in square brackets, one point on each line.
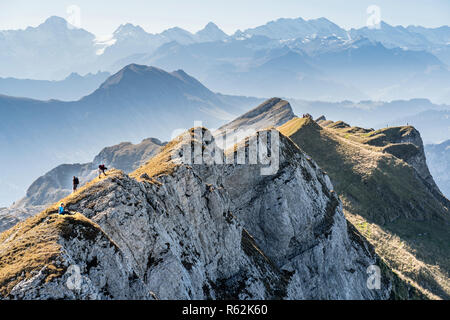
[335, 70]
[135, 103]
[438, 158]
[304, 59]
[344, 197]
[430, 119]
[51, 51]
[434, 40]
[73, 87]
[54, 49]
[140, 101]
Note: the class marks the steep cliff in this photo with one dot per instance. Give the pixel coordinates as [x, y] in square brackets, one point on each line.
[177, 230]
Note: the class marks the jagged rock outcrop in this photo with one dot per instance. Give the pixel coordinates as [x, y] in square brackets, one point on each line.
[297, 220]
[57, 183]
[178, 230]
[405, 143]
[65, 257]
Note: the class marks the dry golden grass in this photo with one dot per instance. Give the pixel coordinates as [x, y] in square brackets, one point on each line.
[34, 244]
[398, 255]
[379, 138]
[160, 164]
[163, 163]
[88, 189]
[293, 125]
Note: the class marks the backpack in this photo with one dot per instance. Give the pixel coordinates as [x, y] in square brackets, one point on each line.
[76, 181]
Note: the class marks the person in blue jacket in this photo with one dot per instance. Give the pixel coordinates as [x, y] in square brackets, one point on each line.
[62, 209]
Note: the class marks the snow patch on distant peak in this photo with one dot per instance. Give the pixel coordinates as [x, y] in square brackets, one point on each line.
[103, 42]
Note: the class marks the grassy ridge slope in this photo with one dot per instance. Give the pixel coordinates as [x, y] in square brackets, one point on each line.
[383, 198]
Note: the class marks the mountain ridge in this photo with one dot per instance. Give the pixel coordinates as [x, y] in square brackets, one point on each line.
[166, 244]
[155, 106]
[380, 188]
[129, 39]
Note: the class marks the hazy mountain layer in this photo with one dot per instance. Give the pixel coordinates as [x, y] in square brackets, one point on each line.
[438, 158]
[133, 104]
[73, 87]
[330, 68]
[305, 59]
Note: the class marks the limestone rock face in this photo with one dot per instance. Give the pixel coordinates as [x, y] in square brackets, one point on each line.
[297, 220]
[218, 231]
[95, 268]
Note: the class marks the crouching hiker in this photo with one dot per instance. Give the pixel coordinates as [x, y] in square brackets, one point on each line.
[102, 169]
[75, 183]
[62, 209]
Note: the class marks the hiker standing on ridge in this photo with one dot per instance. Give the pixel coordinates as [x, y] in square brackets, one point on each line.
[75, 182]
[102, 169]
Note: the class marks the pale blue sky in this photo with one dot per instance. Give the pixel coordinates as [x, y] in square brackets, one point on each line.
[102, 17]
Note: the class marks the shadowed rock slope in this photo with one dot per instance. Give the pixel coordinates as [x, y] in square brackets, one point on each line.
[387, 193]
[179, 231]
